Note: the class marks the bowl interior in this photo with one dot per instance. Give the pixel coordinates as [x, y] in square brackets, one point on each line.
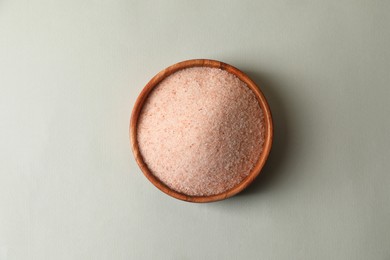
[268, 128]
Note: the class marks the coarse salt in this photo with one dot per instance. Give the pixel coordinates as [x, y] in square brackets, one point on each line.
[201, 131]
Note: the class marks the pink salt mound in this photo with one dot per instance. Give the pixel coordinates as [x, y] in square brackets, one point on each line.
[201, 131]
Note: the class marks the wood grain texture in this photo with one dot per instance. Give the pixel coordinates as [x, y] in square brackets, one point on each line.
[268, 127]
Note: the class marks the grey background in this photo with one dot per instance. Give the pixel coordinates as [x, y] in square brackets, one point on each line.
[70, 72]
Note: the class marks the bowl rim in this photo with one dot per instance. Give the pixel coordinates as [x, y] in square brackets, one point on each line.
[142, 97]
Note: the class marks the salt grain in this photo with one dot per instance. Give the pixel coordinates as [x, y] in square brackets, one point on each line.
[201, 131]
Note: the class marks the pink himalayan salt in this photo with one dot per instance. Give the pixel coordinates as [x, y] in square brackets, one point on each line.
[201, 131]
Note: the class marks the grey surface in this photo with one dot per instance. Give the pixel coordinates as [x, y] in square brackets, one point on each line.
[70, 72]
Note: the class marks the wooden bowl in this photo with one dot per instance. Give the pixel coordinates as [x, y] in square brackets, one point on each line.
[268, 127]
